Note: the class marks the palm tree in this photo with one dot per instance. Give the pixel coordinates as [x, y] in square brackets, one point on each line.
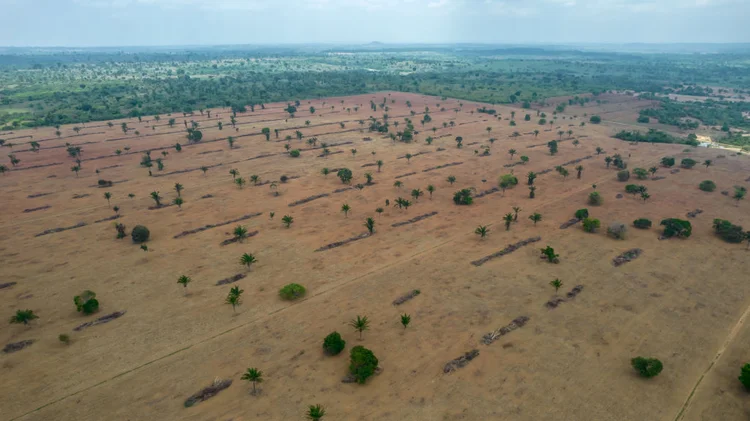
[570, 134]
[346, 208]
[652, 170]
[430, 189]
[239, 181]
[512, 152]
[204, 169]
[489, 129]
[508, 218]
[415, 193]
[535, 217]
[379, 164]
[23, 316]
[108, 195]
[579, 168]
[536, 133]
[253, 375]
[599, 150]
[234, 173]
[240, 233]
[405, 320]
[608, 160]
[178, 201]
[178, 188]
[560, 133]
[532, 192]
[234, 298]
[354, 152]
[360, 324]
[287, 220]
[315, 412]
[156, 197]
[368, 176]
[482, 231]
[248, 259]
[74, 168]
[184, 281]
[408, 158]
[230, 140]
[645, 196]
[516, 209]
[531, 176]
[379, 211]
[556, 284]
[370, 225]
[398, 184]
[451, 179]
[255, 179]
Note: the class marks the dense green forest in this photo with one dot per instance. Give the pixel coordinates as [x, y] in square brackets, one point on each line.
[59, 87]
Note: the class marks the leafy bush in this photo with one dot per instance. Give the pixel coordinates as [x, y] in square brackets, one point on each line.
[463, 197]
[140, 234]
[667, 161]
[104, 183]
[642, 223]
[582, 213]
[345, 174]
[507, 181]
[643, 119]
[617, 230]
[728, 232]
[591, 224]
[674, 227]
[632, 189]
[647, 367]
[595, 199]
[294, 153]
[284, 178]
[595, 119]
[86, 303]
[688, 163]
[640, 173]
[745, 376]
[623, 175]
[292, 291]
[362, 363]
[333, 344]
[549, 253]
[707, 185]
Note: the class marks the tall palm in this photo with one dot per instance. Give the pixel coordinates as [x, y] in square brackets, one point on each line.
[108, 195]
[346, 208]
[156, 197]
[234, 173]
[379, 164]
[415, 193]
[370, 225]
[240, 232]
[431, 189]
[508, 218]
[248, 259]
[512, 152]
[516, 209]
[482, 231]
[255, 179]
[178, 188]
[360, 324]
[535, 217]
[253, 375]
[234, 298]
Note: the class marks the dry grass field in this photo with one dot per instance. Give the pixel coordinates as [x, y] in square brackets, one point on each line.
[684, 301]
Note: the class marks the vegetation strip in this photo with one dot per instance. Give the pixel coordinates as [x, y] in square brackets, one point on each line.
[461, 361]
[406, 297]
[627, 256]
[109, 218]
[17, 346]
[557, 301]
[7, 285]
[308, 199]
[208, 392]
[35, 195]
[236, 239]
[37, 209]
[80, 196]
[507, 250]
[37, 166]
[415, 219]
[486, 192]
[54, 230]
[105, 319]
[415, 155]
[569, 223]
[518, 322]
[220, 224]
[231, 279]
[405, 175]
[442, 166]
[694, 213]
[342, 243]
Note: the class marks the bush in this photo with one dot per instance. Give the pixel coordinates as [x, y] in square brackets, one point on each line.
[333, 344]
[617, 230]
[362, 363]
[623, 175]
[632, 189]
[582, 214]
[595, 199]
[667, 161]
[104, 183]
[591, 224]
[463, 197]
[643, 119]
[345, 174]
[292, 291]
[647, 367]
[595, 119]
[284, 178]
[642, 223]
[674, 227]
[728, 232]
[745, 376]
[507, 181]
[140, 234]
[86, 303]
[688, 163]
[707, 185]
[64, 338]
[294, 153]
[640, 173]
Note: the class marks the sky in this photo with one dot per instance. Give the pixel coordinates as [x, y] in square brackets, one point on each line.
[91, 23]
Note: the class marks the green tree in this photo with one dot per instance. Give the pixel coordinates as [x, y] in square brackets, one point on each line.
[535, 217]
[707, 163]
[482, 231]
[325, 171]
[608, 160]
[405, 320]
[178, 201]
[248, 259]
[23, 316]
[240, 182]
[108, 196]
[255, 179]
[178, 188]
[556, 284]
[745, 376]
[266, 132]
[240, 233]
[379, 164]
[156, 197]
[370, 225]
[346, 208]
[234, 298]
[647, 367]
[451, 179]
[512, 152]
[516, 209]
[530, 177]
[416, 193]
[360, 324]
[184, 281]
[254, 376]
[430, 189]
[315, 412]
[287, 220]
[508, 218]
[579, 169]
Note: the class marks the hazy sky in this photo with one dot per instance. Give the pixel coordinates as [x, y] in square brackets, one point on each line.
[175, 22]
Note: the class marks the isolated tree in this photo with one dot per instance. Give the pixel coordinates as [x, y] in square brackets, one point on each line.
[345, 208]
[108, 196]
[508, 218]
[240, 233]
[315, 412]
[647, 367]
[451, 179]
[368, 177]
[653, 170]
[234, 298]
[556, 284]
[512, 152]
[536, 133]
[532, 192]
[287, 220]
[178, 201]
[530, 177]
[516, 209]
[325, 171]
[608, 160]
[4, 169]
[204, 169]
[459, 141]
[379, 164]
[416, 193]
[599, 150]
[254, 376]
[482, 231]
[248, 259]
[267, 132]
[535, 217]
[360, 324]
[489, 129]
[408, 158]
[23, 316]
[184, 281]
[255, 179]
[240, 182]
[745, 376]
[370, 225]
[405, 320]
[579, 168]
[156, 197]
[430, 189]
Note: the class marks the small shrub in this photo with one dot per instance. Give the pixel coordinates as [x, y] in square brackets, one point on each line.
[647, 367]
[640, 173]
[64, 338]
[362, 363]
[688, 163]
[595, 119]
[632, 189]
[463, 197]
[104, 183]
[86, 303]
[333, 344]
[729, 232]
[707, 185]
[642, 223]
[582, 213]
[284, 178]
[591, 224]
[745, 376]
[292, 291]
[294, 153]
[345, 174]
[667, 161]
[595, 199]
[617, 230]
[507, 181]
[140, 234]
[674, 227]
[623, 175]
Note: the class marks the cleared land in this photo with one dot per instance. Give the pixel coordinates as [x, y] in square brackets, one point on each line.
[681, 301]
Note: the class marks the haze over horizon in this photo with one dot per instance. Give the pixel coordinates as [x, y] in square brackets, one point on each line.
[104, 23]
